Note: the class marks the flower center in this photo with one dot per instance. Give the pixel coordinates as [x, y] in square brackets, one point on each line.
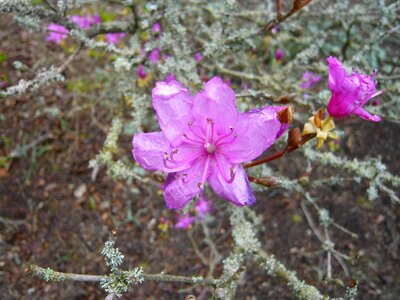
[210, 148]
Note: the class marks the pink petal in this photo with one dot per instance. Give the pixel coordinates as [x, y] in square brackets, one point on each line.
[256, 131]
[172, 103]
[181, 187]
[216, 102]
[366, 115]
[337, 72]
[148, 150]
[238, 192]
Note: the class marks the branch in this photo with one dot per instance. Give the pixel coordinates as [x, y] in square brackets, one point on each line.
[279, 154]
[297, 6]
[50, 275]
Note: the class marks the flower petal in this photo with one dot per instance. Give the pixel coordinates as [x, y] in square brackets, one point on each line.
[181, 187]
[366, 115]
[172, 103]
[238, 192]
[148, 150]
[337, 73]
[216, 102]
[256, 131]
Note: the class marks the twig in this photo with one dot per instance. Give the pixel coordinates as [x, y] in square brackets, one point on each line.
[160, 277]
[279, 154]
[297, 6]
[196, 248]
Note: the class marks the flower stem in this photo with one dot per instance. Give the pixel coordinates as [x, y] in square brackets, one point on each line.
[281, 153]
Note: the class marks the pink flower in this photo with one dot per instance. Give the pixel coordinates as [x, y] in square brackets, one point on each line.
[141, 72]
[170, 77]
[279, 54]
[202, 208]
[154, 56]
[3, 84]
[184, 222]
[350, 92]
[83, 22]
[156, 28]
[57, 33]
[198, 56]
[96, 19]
[204, 138]
[309, 80]
[114, 38]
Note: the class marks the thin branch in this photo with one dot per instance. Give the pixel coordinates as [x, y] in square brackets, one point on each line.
[297, 6]
[160, 277]
[279, 154]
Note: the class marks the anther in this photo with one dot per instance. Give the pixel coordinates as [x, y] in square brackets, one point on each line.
[166, 156]
[190, 123]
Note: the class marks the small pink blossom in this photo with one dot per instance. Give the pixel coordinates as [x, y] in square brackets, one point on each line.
[309, 80]
[184, 222]
[198, 56]
[205, 139]
[114, 38]
[170, 77]
[154, 55]
[279, 54]
[3, 84]
[156, 28]
[57, 33]
[141, 72]
[376, 102]
[350, 92]
[203, 208]
[86, 21]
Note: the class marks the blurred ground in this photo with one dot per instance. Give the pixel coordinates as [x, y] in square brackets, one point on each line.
[53, 214]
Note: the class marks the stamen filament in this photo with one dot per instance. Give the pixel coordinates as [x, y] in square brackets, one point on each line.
[205, 172]
[232, 172]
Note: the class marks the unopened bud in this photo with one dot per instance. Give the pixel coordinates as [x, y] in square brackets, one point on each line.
[286, 115]
[294, 137]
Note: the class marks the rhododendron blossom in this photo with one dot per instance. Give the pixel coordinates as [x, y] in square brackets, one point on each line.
[350, 92]
[198, 56]
[279, 54]
[184, 222]
[204, 138]
[86, 21]
[57, 33]
[154, 55]
[202, 208]
[156, 28]
[309, 80]
[141, 72]
[114, 38]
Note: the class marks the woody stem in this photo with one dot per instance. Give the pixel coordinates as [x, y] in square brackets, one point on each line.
[279, 154]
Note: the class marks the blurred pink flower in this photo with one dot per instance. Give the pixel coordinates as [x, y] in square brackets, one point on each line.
[198, 56]
[202, 208]
[350, 92]
[141, 72]
[114, 38]
[309, 80]
[3, 84]
[279, 54]
[170, 77]
[84, 22]
[154, 55]
[184, 222]
[156, 28]
[57, 33]
[204, 138]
